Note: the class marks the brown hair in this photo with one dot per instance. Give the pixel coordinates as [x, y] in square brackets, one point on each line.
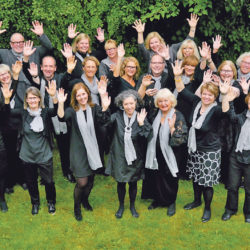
[91, 58]
[73, 101]
[247, 98]
[34, 91]
[209, 86]
[229, 63]
[152, 35]
[80, 37]
[124, 64]
[190, 60]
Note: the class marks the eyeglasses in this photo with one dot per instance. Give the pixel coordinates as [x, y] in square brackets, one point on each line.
[111, 49]
[18, 43]
[226, 71]
[4, 74]
[157, 63]
[32, 98]
[246, 63]
[131, 67]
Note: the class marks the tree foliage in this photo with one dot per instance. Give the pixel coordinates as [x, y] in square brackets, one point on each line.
[228, 18]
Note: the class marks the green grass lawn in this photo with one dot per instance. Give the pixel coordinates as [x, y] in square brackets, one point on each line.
[101, 230]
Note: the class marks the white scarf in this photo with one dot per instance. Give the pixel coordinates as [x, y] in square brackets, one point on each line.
[37, 123]
[80, 57]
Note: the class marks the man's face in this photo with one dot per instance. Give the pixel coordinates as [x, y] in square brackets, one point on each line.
[157, 65]
[17, 42]
[48, 67]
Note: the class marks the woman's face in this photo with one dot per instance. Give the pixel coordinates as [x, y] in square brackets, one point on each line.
[129, 105]
[207, 97]
[112, 51]
[83, 46]
[90, 69]
[248, 104]
[130, 69]
[154, 44]
[226, 73]
[5, 77]
[188, 50]
[189, 70]
[82, 97]
[33, 101]
[245, 65]
[164, 104]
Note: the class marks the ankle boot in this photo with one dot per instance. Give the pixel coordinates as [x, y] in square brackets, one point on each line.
[206, 215]
[77, 212]
[3, 206]
[119, 212]
[192, 205]
[171, 209]
[86, 205]
[133, 211]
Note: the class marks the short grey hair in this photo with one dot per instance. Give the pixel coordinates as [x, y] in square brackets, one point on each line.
[241, 57]
[126, 94]
[5, 68]
[165, 93]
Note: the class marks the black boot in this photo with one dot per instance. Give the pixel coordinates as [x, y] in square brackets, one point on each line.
[119, 212]
[171, 209]
[86, 205]
[77, 212]
[3, 206]
[133, 210]
[206, 215]
[192, 205]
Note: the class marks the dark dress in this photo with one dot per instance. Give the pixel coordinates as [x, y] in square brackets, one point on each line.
[160, 185]
[78, 154]
[117, 165]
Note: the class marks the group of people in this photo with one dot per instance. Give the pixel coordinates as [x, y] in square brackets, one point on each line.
[188, 116]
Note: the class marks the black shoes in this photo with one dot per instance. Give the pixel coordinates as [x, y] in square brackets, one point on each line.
[70, 178]
[171, 210]
[119, 212]
[227, 215]
[192, 205]
[153, 205]
[78, 213]
[133, 211]
[87, 206]
[3, 206]
[247, 218]
[206, 215]
[24, 186]
[51, 208]
[35, 209]
[9, 190]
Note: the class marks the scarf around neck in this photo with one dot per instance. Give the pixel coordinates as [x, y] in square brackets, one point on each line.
[80, 57]
[186, 80]
[240, 74]
[19, 56]
[37, 123]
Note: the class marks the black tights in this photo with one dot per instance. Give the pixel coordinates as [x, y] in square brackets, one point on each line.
[82, 189]
[121, 191]
[207, 194]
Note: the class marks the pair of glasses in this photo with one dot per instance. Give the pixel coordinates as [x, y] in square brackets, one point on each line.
[246, 63]
[18, 43]
[32, 98]
[157, 63]
[131, 67]
[111, 49]
[226, 71]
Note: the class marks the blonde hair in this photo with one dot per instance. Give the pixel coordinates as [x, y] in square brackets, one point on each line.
[80, 37]
[110, 43]
[209, 86]
[165, 94]
[5, 68]
[124, 64]
[184, 45]
[231, 64]
[34, 91]
[241, 57]
[91, 58]
[152, 35]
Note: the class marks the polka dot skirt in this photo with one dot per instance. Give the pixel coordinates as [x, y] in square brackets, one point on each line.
[204, 167]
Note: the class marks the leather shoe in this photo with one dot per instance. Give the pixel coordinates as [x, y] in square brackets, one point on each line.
[35, 209]
[51, 208]
[119, 212]
[134, 212]
[206, 215]
[171, 210]
[3, 206]
[87, 206]
[77, 212]
[70, 178]
[192, 205]
[247, 218]
[153, 205]
[227, 215]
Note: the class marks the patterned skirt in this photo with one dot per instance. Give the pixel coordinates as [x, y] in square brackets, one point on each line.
[204, 167]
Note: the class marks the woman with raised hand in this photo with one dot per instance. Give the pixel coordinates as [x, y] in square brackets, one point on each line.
[203, 141]
[154, 40]
[239, 162]
[130, 132]
[35, 143]
[81, 47]
[83, 118]
[162, 159]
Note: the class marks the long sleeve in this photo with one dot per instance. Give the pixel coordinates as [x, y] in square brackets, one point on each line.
[46, 45]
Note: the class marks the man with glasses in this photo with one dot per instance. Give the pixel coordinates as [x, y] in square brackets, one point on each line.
[10, 56]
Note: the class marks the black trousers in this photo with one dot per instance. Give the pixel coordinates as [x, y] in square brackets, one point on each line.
[236, 171]
[15, 171]
[46, 173]
[3, 170]
[63, 143]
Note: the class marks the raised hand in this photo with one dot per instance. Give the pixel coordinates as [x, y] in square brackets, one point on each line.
[177, 68]
[216, 43]
[207, 76]
[7, 92]
[171, 122]
[139, 26]
[121, 50]
[216, 80]
[72, 31]
[100, 35]
[1, 31]
[141, 117]
[67, 50]
[102, 85]
[28, 49]
[33, 70]
[37, 28]
[51, 89]
[106, 100]
[163, 50]
[61, 97]
[17, 67]
[193, 20]
[147, 80]
[71, 64]
[151, 92]
[204, 51]
[224, 87]
[244, 85]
